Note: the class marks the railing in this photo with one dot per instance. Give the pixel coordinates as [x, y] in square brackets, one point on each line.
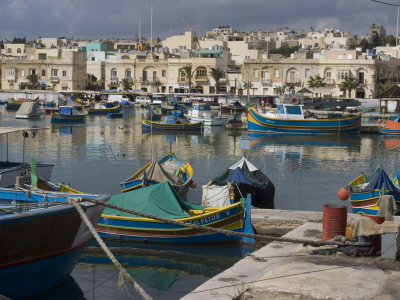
[265, 81]
[201, 78]
[329, 81]
[54, 78]
[114, 78]
[10, 77]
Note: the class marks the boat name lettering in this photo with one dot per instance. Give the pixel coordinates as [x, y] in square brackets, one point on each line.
[206, 220]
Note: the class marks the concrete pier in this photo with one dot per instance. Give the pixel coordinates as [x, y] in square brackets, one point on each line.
[283, 270]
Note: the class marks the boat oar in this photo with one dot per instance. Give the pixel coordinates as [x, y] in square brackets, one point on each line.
[115, 160]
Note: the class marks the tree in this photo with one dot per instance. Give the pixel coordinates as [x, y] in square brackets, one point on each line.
[248, 85]
[381, 87]
[157, 84]
[189, 73]
[350, 83]
[316, 82]
[217, 74]
[33, 80]
[280, 90]
[126, 83]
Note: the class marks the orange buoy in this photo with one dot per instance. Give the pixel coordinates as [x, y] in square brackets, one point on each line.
[193, 185]
[343, 194]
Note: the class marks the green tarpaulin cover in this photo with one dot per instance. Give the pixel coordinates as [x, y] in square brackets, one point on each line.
[159, 200]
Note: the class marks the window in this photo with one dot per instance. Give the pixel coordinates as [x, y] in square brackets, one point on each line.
[292, 76]
[154, 76]
[255, 72]
[163, 73]
[9, 50]
[18, 50]
[64, 73]
[265, 74]
[128, 73]
[54, 72]
[307, 73]
[32, 71]
[10, 71]
[328, 75]
[42, 56]
[22, 73]
[113, 72]
[360, 77]
[276, 71]
[144, 75]
[201, 73]
[43, 72]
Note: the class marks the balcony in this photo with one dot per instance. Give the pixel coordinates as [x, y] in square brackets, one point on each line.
[144, 80]
[329, 81]
[10, 77]
[54, 79]
[293, 81]
[114, 79]
[201, 78]
[265, 81]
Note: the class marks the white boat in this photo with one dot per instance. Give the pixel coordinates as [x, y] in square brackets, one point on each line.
[29, 110]
[201, 112]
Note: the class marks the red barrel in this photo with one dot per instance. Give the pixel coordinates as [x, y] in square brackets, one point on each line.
[334, 221]
[375, 239]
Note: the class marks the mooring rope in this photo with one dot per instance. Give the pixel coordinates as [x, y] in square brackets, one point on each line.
[331, 242]
[123, 273]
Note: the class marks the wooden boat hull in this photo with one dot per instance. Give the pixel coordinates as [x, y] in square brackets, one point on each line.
[105, 111]
[134, 182]
[57, 117]
[160, 126]
[216, 121]
[385, 131]
[39, 249]
[142, 229]
[260, 123]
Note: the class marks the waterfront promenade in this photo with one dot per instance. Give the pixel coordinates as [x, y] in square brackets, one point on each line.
[283, 270]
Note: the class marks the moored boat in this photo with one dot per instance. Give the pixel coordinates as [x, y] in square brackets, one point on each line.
[99, 108]
[68, 114]
[391, 127]
[172, 123]
[240, 179]
[201, 112]
[29, 110]
[290, 118]
[41, 240]
[169, 168]
[162, 201]
[365, 191]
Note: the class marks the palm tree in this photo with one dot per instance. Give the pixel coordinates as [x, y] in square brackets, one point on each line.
[189, 73]
[280, 90]
[126, 83]
[33, 80]
[248, 85]
[350, 83]
[217, 74]
[381, 87]
[317, 81]
[157, 84]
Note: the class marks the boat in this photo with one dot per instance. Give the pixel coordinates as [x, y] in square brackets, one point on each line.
[29, 110]
[169, 168]
[99, 108]
[172, 123]
[10, 170]
[201, 112]
[235, 106]
[161, 200]
[152, 114]
[41, 239]
[365, 191]
[68, 114]
[291, 118]
[391, 127]
[240, 179]
[14, 104]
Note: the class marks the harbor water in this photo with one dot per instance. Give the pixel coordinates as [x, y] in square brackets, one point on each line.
[96, 155]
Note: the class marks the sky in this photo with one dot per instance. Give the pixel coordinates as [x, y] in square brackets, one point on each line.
[121, 18]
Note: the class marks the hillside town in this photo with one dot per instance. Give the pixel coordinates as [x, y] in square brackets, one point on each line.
[326, 63]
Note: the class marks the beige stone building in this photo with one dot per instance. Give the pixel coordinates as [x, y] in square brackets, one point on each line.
[15, 50]
[57, 69]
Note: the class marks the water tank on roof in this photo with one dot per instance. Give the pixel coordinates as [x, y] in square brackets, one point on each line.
[368, 51]
[373, 51]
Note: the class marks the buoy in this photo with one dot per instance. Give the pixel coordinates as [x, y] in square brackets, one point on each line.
[193, 185]
[343, 194]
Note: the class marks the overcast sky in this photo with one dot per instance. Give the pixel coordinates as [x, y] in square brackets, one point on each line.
[120, 18]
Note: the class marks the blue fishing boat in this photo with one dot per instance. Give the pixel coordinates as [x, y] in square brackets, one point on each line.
[290, 118]
[68, 114]
[365, 191]
[171, 123]
[42, 239]
[161, 200]
[169, 168]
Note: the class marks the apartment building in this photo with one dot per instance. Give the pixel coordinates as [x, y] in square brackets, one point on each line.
[57, 69]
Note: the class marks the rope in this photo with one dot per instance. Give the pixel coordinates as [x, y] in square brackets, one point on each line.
[228, 232]
[123, 272]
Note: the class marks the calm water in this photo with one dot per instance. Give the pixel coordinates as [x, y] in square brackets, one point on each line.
[306, 171]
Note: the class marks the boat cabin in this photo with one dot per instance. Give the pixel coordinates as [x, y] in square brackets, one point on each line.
[289, 111]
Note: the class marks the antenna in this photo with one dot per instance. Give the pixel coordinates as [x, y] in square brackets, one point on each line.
[151, 28]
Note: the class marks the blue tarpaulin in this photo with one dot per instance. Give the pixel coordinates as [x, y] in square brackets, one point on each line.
[65, 110]
[378, 179]
[237, 176]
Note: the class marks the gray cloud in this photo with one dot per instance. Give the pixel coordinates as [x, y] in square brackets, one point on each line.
[120, 18]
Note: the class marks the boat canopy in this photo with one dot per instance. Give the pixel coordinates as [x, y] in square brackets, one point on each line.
[155, 172]
[378, 179]
[67, 110]
[28, 108]
[159, 200]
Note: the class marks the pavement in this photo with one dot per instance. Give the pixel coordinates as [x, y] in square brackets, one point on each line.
[283, 270]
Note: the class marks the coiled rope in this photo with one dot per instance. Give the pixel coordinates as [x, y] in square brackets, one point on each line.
[123, 273]
[332, 242]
